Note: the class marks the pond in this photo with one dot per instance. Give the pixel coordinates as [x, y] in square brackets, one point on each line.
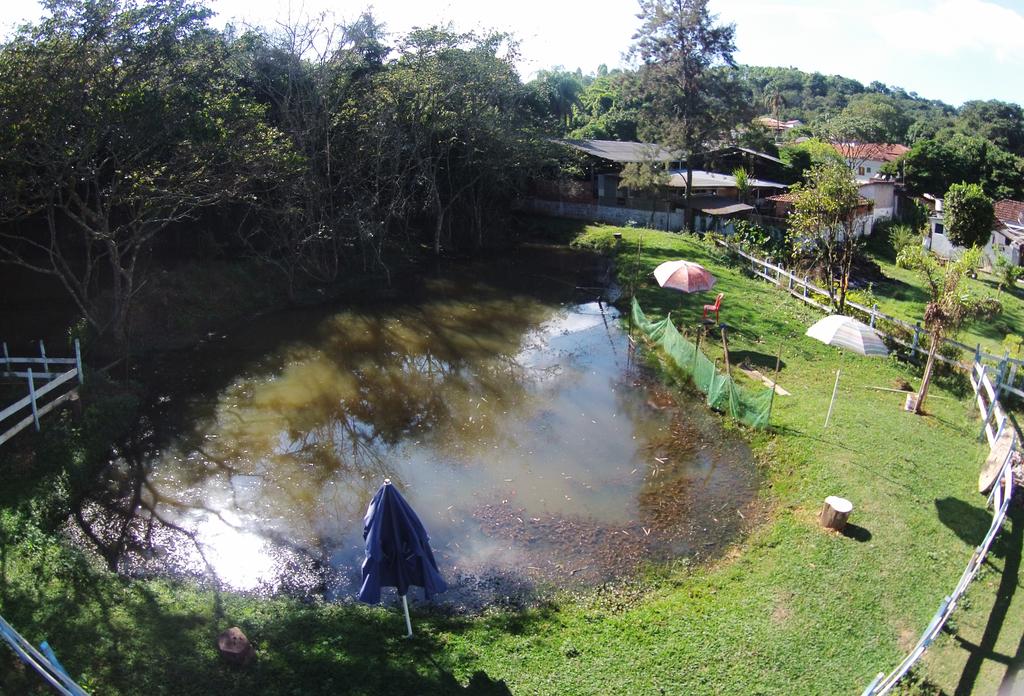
[502, 399]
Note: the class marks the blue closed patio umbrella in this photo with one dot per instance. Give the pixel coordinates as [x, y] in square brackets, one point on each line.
[397, 551]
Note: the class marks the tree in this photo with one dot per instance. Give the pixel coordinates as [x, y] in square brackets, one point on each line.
[118, 120]
[934, 164]
[1008, 273]
[774, 100]
[967, 215]
[742, 183]
[316, 78]
[687, 79]
[800, 157]
[948, 306]
[825, 225]
[562, 90]
[997, 121]
[881, 118]
[458, 99]
[646, 177]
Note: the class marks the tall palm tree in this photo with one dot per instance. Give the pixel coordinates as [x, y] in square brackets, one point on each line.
[774, 101]
[565, 95]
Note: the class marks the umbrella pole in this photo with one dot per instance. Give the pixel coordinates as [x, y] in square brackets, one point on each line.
[832, 403]
[408, 623]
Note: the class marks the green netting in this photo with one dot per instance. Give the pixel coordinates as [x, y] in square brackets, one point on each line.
[722, 393]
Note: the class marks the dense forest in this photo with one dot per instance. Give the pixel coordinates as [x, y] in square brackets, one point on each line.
[318, 149]
[135, 134]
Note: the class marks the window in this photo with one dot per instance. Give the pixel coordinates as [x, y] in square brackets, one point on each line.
[869, 170]
[860, 170]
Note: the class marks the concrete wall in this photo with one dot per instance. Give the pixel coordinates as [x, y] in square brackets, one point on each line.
[942, 247]
[608, 214]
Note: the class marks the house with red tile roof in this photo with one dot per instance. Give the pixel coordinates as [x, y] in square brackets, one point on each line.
[866, 159]
[863, 218]
[1007, 233]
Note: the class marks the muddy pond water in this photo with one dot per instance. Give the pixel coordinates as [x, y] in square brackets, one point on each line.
[501, 398]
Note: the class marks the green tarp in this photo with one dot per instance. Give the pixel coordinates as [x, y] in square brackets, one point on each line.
[722, 393]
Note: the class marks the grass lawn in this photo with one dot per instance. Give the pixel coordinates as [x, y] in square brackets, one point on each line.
[905, 297]
[790, 609]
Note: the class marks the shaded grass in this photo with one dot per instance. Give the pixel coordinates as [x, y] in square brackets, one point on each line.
[790, 610]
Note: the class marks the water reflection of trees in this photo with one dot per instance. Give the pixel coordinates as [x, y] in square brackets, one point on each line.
[302, 451]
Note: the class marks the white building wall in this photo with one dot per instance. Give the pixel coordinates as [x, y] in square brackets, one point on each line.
[606, 213]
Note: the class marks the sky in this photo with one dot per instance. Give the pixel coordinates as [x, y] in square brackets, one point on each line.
[953, 50]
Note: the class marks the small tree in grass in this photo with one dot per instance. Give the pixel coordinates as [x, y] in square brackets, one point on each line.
[967, 215]
[742, 183]
[824, 225]
[949, 303]
[1007, 272]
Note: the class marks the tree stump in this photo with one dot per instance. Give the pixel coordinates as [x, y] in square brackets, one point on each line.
[235, 648]
[835, 513]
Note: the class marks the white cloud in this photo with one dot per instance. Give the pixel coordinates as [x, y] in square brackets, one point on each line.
[955, 26]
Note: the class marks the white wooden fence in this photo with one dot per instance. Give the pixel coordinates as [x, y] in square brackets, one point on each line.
[43, 661]
[804, 290]
[995, 429]
[40, 400]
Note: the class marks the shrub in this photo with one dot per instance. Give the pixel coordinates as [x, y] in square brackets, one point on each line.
[1012, 344]
[901, 237]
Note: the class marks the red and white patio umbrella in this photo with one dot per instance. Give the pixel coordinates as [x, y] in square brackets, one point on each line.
[685, 276]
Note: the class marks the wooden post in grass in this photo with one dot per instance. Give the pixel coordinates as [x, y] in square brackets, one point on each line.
[835, 512]
[696, 351]
[775, 382]
[725, 348]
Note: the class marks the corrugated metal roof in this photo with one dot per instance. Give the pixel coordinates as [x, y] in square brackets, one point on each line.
[623, 152]
[705, 179]
[732, 149]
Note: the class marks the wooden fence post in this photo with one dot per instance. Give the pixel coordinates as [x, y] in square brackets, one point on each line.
[805, 287]
[1002, 373]
[78, 361]
[42, 352]
[917, 339]
[874, 308]
[7, 357]
[32, 395]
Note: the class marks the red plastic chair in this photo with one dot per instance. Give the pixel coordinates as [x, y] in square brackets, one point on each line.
[708, 308]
